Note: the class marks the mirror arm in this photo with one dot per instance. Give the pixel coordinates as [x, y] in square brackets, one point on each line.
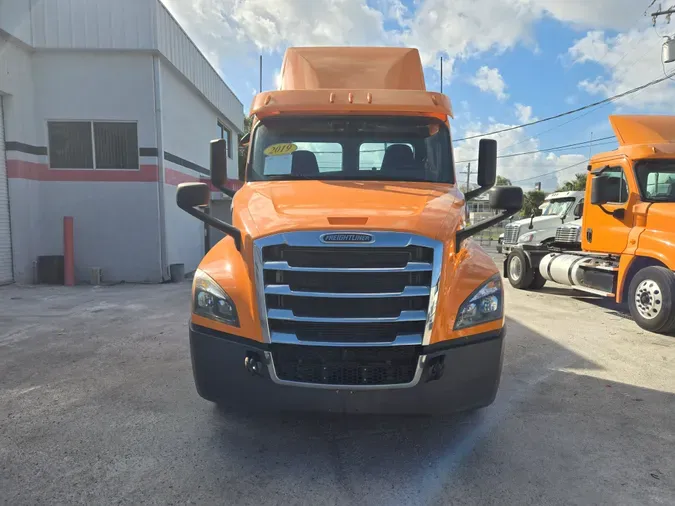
[472, 194]
[215, 223]
[603, 209]
[467, 232]
[227, 191]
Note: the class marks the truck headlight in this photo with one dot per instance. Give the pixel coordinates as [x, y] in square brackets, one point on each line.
[211, 301]
[484, 305]
[529, 237]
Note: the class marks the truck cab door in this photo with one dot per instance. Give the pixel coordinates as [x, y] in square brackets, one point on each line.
[606, 227]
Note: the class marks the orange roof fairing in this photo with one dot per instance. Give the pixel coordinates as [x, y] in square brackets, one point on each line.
[643, 129]
[352, 80]
[364, 68]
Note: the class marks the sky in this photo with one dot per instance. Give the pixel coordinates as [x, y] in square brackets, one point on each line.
[506, 62]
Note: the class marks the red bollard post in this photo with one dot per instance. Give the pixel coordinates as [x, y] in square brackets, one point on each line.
[68, 250]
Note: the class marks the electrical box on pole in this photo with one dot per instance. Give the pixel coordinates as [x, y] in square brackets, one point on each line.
[669, 51]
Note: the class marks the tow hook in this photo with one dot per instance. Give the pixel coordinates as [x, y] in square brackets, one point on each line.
[253, 364]
[435, 368]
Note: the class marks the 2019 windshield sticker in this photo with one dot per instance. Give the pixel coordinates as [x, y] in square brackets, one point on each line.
[285, 148]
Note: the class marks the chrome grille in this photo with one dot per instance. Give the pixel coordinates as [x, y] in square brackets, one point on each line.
[568, 234]
[511, 234]
[347, 294]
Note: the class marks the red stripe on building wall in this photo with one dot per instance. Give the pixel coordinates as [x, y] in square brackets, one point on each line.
[19, 169]
[175, 177]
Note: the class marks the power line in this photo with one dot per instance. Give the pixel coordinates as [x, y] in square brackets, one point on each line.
[549, 173]
[570, 120]
[567, 113]
[595, 142]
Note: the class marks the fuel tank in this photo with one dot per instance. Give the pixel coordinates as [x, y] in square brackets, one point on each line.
[564, 269]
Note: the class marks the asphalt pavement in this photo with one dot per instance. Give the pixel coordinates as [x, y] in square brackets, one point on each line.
[97, 406]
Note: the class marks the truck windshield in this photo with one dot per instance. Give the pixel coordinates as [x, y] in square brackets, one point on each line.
[358, 148]
[657, 180]
[557, 207]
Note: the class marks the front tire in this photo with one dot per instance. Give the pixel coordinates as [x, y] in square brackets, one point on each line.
[518, 270]
[651, 299]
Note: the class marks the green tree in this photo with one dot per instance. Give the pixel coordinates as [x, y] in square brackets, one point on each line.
[576, 184]
[502, 181]
[531, 202]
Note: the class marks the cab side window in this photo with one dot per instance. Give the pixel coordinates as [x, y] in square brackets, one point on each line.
[617, 188]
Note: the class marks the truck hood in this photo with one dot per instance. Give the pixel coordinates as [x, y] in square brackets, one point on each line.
[430, 209]
[541, 222]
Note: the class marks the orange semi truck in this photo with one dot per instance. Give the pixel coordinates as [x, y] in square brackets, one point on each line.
[624, 247]
[348, 281]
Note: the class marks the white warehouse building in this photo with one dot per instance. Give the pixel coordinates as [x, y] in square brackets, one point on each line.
[106, 106]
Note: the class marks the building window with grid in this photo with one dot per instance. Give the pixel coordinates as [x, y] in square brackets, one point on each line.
[224, 133]
[93, 145]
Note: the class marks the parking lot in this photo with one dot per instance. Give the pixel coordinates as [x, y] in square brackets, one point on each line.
[97, 406]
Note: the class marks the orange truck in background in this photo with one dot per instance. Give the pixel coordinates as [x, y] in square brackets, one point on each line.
[348, 281]
[624, 247]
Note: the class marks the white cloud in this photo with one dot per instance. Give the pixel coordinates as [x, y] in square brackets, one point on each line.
[629, 60]
[271, 26]
[612, 14]
[490, 81]
[525, 170]
[461, 29]
[235, 31]
[524, 113]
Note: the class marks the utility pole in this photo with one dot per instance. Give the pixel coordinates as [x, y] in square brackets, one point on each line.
[589, 146]
[468, 182]
[441, 74]
[667, 13]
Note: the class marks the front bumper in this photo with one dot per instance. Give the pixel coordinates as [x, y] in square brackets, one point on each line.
[468, 378]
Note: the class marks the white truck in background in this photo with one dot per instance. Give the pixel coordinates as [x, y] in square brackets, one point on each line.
[558, 209]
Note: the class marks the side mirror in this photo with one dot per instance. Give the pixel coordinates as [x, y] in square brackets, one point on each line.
[599, 191]
[219, 164]
[507, 198]
[190, 195]
[487, 168]
[242, 171]
[487, 163]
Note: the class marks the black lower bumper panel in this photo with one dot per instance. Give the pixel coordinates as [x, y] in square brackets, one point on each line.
[453, 376]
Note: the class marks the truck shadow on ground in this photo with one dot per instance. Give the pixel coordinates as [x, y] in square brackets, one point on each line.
[609, 305]
[557, 432]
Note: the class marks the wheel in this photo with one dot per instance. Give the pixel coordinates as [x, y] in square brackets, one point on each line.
[538, 282]
[518, 270]
[651, 299]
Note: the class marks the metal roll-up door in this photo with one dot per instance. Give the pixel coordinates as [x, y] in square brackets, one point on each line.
[6, 275]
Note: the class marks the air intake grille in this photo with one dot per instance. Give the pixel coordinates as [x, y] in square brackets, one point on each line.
[511, 234]
[346, 366]
[570, 234]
